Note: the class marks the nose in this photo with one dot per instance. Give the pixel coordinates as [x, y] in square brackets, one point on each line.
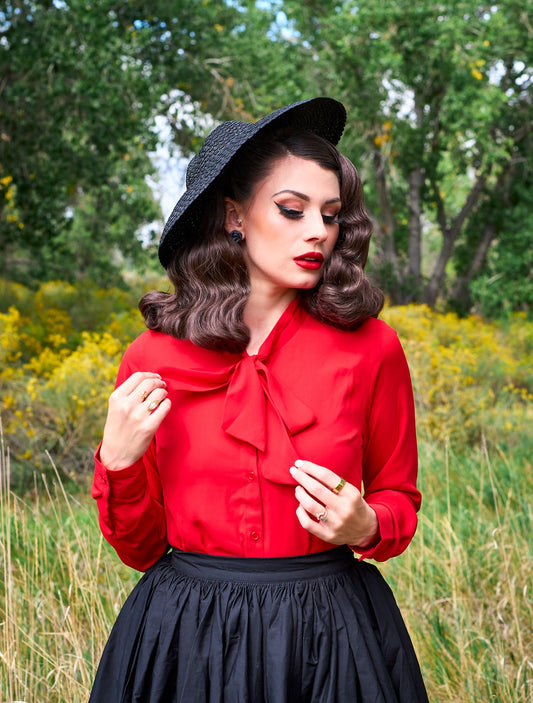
[316, 230]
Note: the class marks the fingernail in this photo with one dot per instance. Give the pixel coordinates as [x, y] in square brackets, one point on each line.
[292, 470]
[298, 463]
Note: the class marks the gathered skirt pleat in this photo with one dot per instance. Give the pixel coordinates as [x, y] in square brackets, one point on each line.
[323, 628]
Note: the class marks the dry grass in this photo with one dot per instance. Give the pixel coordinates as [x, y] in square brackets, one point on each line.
[464, 585]
[62, 587]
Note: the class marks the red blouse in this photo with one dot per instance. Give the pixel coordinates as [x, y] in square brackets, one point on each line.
[216, 477]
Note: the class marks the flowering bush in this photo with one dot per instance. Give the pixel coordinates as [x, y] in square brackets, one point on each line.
[471, 378]
[55, 378]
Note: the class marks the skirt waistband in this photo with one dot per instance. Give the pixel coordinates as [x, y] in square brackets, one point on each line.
[264, 569]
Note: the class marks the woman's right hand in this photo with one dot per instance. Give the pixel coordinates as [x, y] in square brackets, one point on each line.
[136, 409]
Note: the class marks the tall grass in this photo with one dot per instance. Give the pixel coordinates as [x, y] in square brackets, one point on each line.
[464, 585]
[61, 588]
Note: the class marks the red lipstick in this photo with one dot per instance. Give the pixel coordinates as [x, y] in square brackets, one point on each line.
[313, 260]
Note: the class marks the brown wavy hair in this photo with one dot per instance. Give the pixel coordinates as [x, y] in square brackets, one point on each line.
[209, 273]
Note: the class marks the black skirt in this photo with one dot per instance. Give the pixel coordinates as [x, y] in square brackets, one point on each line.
[323, 628]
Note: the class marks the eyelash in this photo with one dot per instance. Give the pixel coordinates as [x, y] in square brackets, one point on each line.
[297, 214]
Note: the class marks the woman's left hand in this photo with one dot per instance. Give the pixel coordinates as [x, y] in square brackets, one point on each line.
[340, 518]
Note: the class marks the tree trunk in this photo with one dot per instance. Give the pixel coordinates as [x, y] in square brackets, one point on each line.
[460, 293]
[414, 269]
[449, 236]
[385, 227]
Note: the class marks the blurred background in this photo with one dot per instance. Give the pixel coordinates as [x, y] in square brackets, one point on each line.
[101, 106]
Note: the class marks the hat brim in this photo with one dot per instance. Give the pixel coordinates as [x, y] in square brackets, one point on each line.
[323, 116]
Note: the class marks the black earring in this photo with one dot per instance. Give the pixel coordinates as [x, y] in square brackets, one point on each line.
[236, 235]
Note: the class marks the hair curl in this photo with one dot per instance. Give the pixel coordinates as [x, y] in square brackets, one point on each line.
[209, 273]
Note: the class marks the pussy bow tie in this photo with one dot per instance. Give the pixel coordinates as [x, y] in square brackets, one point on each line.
[257, 409]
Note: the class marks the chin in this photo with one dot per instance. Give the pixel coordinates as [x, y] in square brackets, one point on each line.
[310, 279]
[307, 285]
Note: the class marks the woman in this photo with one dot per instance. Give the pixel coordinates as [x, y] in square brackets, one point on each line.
[242, 429]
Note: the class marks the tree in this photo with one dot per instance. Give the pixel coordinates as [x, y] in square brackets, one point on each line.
[67, 121]
[438, 95]
[439, 98]
[81, 83]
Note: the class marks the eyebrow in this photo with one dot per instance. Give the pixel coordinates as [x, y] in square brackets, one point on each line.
[305, 197]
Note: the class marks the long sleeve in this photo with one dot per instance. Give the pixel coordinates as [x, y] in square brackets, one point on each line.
[130, 503]
[390, 462]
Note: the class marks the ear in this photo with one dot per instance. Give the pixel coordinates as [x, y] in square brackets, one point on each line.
[233, 219]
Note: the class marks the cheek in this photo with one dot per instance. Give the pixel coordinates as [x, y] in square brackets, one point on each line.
[332, 241]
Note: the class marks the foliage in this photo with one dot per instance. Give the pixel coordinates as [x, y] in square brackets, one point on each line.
[439, 105]
[60, 589]
[506, 282]
[440, 115]
[73, 130]
[59, 354]
[60, 348]
[472, 379]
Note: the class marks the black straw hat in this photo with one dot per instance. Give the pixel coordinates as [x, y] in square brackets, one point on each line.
[323, 116]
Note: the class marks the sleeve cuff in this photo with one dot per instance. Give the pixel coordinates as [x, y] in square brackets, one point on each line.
[126, 485]
[386, 532]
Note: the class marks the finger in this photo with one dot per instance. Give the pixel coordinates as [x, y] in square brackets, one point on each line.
[158, 414]
[133, 381]
[313, 526]
[153, 400]
[327, 477]
[308, 503]
[314, 487]
[146, 388]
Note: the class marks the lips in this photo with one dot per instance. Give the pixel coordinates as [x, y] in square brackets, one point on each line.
[312, 260]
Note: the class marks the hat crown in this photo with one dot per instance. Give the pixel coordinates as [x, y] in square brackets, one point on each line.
[219, 144]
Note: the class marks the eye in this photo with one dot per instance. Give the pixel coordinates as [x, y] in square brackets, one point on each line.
[289, 212]
[332, 219]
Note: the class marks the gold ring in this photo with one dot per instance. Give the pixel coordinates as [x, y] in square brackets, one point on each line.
[338, 488]
[323, 516]
[152, 406]
[144, 396]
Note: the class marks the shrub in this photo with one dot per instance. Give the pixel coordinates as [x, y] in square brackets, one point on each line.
[472, 379]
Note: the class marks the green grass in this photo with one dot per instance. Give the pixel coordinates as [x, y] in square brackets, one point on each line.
[464, 585]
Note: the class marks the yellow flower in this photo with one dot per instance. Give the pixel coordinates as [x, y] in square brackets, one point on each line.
[477, 74]
[6, 180]
[8, 401]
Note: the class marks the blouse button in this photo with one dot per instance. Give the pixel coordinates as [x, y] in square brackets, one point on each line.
[255, 536]
[251, 476]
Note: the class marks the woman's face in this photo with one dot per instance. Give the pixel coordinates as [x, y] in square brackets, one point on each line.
[289, 225]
